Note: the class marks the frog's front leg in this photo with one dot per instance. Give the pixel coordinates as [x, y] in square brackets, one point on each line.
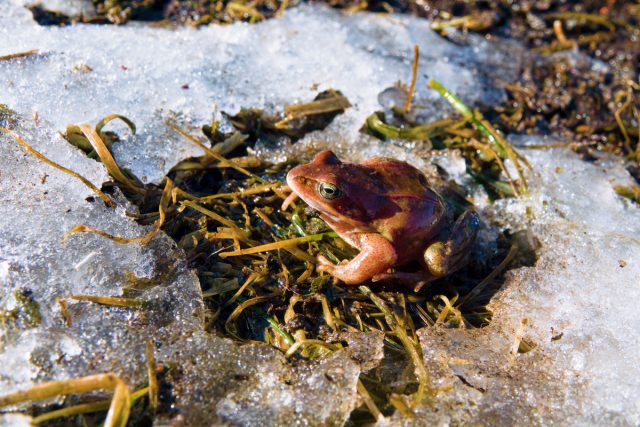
[376, 256]
[444, 257]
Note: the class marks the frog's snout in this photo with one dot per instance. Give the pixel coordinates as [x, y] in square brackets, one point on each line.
[296, 179]
[291, 175]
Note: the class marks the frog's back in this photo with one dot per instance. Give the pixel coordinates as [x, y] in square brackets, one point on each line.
[419, 209]
[400, 177]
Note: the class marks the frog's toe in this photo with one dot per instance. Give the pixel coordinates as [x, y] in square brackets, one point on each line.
[436, 258]
[324, 262]
[324, 269]
[324, 265]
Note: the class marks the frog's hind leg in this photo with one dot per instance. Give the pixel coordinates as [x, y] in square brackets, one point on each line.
[376, 256]
[444, 257]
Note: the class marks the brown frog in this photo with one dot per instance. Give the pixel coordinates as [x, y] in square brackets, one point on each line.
[386, 209]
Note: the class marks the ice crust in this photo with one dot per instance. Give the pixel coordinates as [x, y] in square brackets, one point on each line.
[576, 305]
[218, 379]
[39, 205]
[584, 285]
[578, 299]
[141, 72]
[253, 385]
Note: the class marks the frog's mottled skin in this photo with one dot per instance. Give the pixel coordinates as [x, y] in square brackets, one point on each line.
[386, 209]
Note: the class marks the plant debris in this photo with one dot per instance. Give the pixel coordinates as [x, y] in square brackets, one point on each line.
[19, 55]
[25, 313]
[594, 106]
[484, 148]
[298, 120]
[256, 263]
[594, 102]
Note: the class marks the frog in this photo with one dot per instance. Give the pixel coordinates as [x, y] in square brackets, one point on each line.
[386, 209]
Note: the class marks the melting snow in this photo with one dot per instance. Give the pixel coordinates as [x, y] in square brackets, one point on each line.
[578, 300]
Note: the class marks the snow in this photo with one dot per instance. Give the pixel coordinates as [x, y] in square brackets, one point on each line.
[578, 299]
[140, 72]
[576, 305]
[585, 281]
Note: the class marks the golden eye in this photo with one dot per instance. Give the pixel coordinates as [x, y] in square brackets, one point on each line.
[329, 191]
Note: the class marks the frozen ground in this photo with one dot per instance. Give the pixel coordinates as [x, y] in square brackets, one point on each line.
[142, 72]
[577, 304]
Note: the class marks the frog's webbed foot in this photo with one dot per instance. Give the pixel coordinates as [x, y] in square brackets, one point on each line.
[376, 256]
[444, 257]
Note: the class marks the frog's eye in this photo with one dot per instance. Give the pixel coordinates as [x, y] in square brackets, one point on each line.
[329, 191]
